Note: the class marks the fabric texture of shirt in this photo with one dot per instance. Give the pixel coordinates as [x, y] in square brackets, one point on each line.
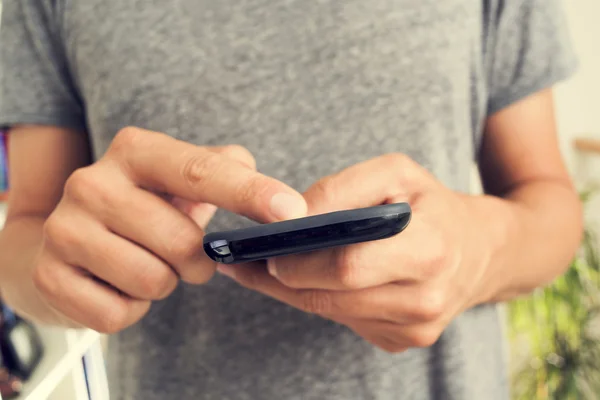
[309, 87]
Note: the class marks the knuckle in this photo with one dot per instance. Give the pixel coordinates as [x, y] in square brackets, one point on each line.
[81, 185]
[439, 249]
[196, 275]
[252, 189]
[349, 268]
[286, 275]
[316, 302]
[431, 305]
[240, 154]
[388, 343]
[391, 346]
[404, 166]
[397, 160]
[126, 139]
[156, 283]
[395, 314]
[53, 227]
[44, 282]
[424, 338]
[199, 169]
[115, 318]
[324, 189]
[60, 233]
[185, 245]
[438, 254]
[87, 188]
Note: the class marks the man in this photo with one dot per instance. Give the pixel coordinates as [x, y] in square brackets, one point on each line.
[132, 121]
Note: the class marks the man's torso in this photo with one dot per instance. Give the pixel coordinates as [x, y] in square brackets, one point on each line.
[309, 87]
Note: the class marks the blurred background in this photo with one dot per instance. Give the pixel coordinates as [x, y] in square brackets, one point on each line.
[554, 334]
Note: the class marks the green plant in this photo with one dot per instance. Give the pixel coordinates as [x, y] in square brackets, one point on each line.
[555, 332]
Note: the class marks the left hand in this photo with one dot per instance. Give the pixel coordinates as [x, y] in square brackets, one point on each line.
[396, 293]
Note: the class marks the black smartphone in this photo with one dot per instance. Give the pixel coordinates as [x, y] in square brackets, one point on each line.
[307, 234]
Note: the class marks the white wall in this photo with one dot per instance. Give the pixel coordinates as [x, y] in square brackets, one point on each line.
[578, 99]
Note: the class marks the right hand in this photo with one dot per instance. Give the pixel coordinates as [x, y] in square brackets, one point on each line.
[129, 226]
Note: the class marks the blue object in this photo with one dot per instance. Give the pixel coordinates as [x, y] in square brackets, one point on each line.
[10, 318]
[3, 163]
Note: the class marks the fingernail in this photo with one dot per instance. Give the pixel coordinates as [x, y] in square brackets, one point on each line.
[287, 206]
[226, 270]
[272, 267]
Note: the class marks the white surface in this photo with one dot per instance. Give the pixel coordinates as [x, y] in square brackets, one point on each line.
[96, 372]
[55, 346]
[72, 385]
[578, 99]
[2, 215]
[63, 352]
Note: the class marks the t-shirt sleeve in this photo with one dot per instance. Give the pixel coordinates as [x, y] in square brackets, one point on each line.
[35, 84]
[529, 49]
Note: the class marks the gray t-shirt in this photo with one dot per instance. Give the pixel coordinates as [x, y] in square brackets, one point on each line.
[310, 87]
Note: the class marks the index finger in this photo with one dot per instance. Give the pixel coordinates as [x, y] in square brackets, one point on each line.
[156, 161]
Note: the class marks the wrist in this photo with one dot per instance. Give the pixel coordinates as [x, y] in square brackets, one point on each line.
[497, 227]
[20, 244]
[24, 299]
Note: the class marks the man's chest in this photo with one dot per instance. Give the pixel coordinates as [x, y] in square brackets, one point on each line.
[279, 74]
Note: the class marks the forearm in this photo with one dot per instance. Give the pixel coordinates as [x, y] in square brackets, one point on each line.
[532, 234]
[20, 241]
